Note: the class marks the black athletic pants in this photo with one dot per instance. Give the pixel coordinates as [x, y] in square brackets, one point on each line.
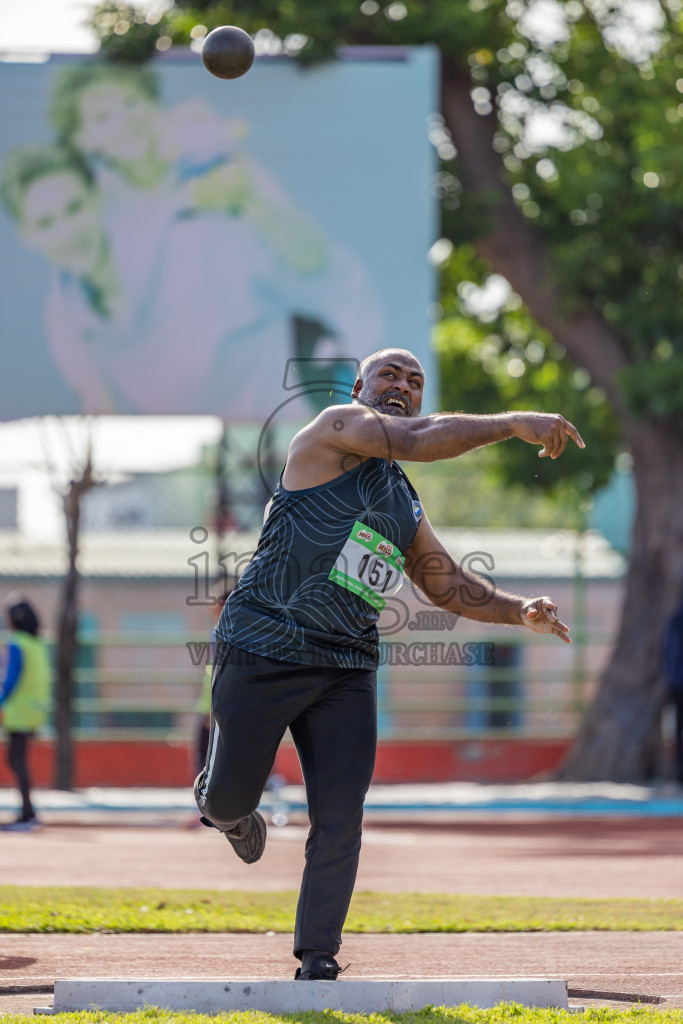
[332, 716]
[17, 759]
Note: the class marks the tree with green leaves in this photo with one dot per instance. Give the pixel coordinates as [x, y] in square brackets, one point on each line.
[561, 175]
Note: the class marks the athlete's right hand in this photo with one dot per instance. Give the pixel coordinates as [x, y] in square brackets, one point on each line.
[540, 614]
[549, 429]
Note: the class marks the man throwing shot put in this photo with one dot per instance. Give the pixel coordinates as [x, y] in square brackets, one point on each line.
[297, 642]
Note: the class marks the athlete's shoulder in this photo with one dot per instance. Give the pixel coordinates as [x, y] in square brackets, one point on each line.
[334, 427]
[349, 412]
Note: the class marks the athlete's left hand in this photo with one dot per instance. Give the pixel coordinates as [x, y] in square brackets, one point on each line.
[540, 614]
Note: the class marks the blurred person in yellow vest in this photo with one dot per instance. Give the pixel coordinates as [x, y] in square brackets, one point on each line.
[24, 699]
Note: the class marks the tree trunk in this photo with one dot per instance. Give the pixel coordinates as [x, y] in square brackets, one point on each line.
[67, 646]
[67, 636]
[620, 737]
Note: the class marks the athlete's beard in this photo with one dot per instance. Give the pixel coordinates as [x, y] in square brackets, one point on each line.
[368, 396]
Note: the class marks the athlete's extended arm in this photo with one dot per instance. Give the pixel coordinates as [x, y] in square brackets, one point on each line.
[364, 431]
[454, 589]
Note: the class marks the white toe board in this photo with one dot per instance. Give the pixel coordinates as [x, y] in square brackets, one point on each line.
[352, 996]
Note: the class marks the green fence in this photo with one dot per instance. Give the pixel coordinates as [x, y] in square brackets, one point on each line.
[146, 686]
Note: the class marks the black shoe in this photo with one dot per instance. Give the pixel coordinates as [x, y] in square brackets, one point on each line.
[318, 968]
[248, 838]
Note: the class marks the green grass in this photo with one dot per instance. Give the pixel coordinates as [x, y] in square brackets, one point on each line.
[186, 910]
[501, 1014]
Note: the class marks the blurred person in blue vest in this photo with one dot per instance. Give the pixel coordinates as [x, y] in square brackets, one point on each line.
[673, 670]
[24, 699]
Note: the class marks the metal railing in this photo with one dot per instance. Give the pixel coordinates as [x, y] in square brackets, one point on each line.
[119, 694]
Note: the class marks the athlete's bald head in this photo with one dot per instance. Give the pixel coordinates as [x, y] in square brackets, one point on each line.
[391, 381]
[382, 355]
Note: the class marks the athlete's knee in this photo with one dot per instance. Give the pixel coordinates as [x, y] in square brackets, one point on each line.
[346, 801]
[222, 805]
[341, 818]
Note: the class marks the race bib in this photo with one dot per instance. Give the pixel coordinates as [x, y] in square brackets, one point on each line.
[369, 565]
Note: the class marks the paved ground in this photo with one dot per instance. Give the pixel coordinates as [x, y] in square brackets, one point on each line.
[508, 855]
[565, 857]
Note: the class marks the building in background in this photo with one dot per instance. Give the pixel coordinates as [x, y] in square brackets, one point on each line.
[457, 700]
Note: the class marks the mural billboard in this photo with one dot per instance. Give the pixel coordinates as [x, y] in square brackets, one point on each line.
[176, 244]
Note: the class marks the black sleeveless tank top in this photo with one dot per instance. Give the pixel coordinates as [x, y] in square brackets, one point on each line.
[327, 560]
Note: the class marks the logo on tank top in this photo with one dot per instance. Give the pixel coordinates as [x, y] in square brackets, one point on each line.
[417, 511]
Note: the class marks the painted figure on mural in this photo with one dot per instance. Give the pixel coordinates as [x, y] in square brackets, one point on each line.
[161, 228]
